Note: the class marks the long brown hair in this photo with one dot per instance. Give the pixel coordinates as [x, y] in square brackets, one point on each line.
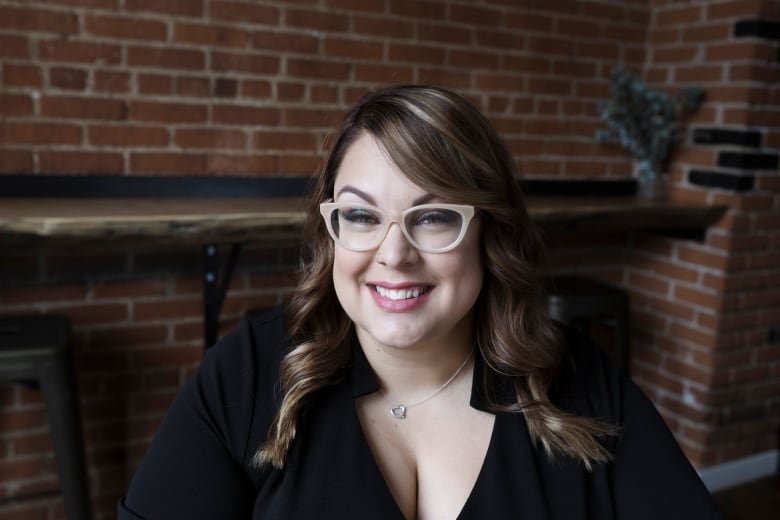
[443, 144]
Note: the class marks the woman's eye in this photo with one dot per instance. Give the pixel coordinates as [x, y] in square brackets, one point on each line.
[438, 216]
[359, 216]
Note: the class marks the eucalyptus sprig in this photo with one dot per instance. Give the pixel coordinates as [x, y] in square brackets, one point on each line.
[644, 121]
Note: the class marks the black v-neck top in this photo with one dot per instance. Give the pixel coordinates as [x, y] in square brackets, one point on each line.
[199, 465]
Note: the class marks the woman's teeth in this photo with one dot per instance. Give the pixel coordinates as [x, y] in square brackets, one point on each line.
[400, 294]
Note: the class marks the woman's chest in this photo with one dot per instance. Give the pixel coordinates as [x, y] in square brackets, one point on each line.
[335, 470]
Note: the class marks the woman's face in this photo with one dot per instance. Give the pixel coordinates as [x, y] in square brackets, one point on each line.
[378, 288]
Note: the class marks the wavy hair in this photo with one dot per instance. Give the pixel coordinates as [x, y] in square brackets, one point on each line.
[444, 145]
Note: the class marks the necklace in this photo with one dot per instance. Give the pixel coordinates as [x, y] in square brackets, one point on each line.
[398, 410]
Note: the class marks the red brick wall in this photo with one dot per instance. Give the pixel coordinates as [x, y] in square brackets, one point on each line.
[208, 87]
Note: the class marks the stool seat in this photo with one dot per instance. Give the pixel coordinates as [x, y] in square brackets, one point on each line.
[36, 349]
[574, 300]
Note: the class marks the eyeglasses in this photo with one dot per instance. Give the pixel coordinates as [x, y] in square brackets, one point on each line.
[432, 228]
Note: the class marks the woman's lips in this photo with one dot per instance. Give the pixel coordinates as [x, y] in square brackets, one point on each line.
[399, 298]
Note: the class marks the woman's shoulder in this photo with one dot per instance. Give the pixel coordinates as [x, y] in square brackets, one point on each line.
[258, 342]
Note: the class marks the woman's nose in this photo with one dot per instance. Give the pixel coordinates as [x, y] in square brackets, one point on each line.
[395, 249]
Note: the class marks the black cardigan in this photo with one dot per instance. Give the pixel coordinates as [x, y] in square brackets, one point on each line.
[199, 464]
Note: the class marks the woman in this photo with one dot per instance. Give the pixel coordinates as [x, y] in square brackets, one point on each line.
[415, 373]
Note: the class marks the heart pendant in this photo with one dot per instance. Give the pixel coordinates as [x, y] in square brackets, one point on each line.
[398, 411]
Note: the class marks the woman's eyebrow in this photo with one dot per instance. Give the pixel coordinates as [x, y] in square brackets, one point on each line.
[371, 200]
[360, 193]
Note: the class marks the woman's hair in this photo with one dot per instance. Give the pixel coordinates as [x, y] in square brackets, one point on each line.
[443, 144]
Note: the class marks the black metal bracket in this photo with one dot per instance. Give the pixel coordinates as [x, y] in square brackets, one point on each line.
[215, 288]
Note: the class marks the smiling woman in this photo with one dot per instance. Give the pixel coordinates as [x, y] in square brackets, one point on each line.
[415, 373]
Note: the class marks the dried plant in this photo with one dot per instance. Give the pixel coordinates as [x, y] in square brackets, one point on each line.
[644, 121]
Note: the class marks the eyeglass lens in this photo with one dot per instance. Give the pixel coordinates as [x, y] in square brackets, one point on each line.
[361, 227]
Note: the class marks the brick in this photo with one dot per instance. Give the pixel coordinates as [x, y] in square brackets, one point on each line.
[14, 161]
[82, 108]
[550, 46]
[574, 68]
[185, 163]
[255, 89]
[244, 12]
[698, 74]
[418, 9]
[549, 86]
[470, 59]
[686, 15]
[317, 69]
[112, 81]
[192, 8]
[125, 28]
[734, 243]
[127, 135]
[441, 34]
[704, 299]
[38, 20]
[702, 258]
[36, 294]
[22, 75]
[155, 84]
[744, 50]
[525, 22]
[648, 283]
[706, 33]
[281, 140]
[80, 162]
[733, 9]
[303, 165]
[676, 54]
[32, 444]
[14, 47]
[167, 112]
[443, 76]
[353, 48]
[79, 52]
[667, 307]
[39, 133]
[194, 86]
[529, 65]
[387, 74]
[377, 27]
[285, 42]
[318, 20]
[616, 13]
[579, 28]
[316, 118]
[504, 40]
[248, 63]
[215, 36]
[23, 469]
[226, 88]
[110, 289]
[165, 58]
[68, 78]
[500, 82]
[370, 6]
[626, 33]
[245, 115]
[241, 164]
[188, 138]
[704, 338]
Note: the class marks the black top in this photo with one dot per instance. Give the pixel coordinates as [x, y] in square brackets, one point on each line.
[199, 464]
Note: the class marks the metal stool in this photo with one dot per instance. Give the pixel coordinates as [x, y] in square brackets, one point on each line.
[575, 300]
[36, 350]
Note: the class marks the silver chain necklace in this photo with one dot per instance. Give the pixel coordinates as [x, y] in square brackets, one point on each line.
[398, 410]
